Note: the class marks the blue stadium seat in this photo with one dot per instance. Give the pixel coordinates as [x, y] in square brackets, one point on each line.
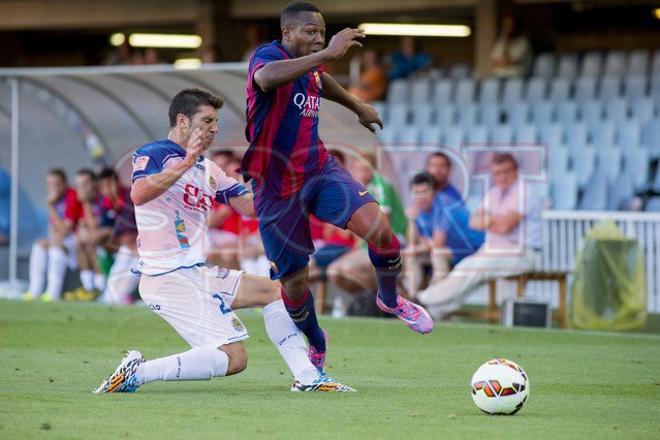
[489, 92]
[423, 115]
[583, 163]
[389, 135]
[568, 66]
[643, 110]
[609, 162]
[576, 135]
[501, 134]
[615, 63]
[567, 112]
[655, 88]
[594, 197]
[525, 134]
[477, 134]
[591, 64]
[431, 136]
[655, 186]
[517, 113]
[616, 111]
[591, 112]
[445, 115]
[490, 114]
[653, 204]
[651, 137]
[628, 134]
[398, 92]
[454, 138]
[398, 114]
[551, 135]
[636, 163]
[465, 91]
[409, 136]
[544, 65]
[635, 87]
[442, 92]
[536, 90]
[564, 192]
[467, 115]
[610, 88]
[543, 112]
[557, 163]
[638, 62]
[585, 88]
[620, 192]
[603, 135]
[421, 90]
[513, 91]
[560, 89]
[460, 71]
[655, 67]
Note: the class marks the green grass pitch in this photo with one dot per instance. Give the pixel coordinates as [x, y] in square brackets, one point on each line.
[583, 385]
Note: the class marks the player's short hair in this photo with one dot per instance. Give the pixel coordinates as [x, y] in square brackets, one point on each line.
[108, 173]
[86, 172]
[422, 178]
[501, 158]
[58, 172]
[187, 101]
[291, 11]
[439, 154]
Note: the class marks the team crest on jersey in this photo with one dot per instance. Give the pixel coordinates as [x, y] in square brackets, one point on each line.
[212, 182]
[317, 77]
[140, 163]
[222, 273]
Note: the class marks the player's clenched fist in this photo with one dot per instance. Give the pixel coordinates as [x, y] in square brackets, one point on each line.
[195, 146]
[343, 41]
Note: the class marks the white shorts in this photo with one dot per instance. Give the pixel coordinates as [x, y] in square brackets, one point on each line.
[197, 303]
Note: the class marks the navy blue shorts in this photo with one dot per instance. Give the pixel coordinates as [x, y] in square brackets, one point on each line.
[332, 196]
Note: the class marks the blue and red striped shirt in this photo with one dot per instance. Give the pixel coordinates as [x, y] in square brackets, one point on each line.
[282, 127]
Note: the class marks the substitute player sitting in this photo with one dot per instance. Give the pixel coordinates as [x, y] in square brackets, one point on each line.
[173, 189]
[294, 175]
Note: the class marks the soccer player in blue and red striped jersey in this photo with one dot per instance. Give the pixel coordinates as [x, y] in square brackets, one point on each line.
[293, 174]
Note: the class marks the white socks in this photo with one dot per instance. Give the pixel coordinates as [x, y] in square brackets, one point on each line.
[56, 271]
[99, 282]
[38, 268]
[199, 363]
[121, 281]
[289, 341]
[87, 279]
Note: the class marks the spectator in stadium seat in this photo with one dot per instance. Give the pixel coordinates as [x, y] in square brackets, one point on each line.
[512, 53]
[118, 209]
[353, 271]
[51, 256]
[372, 84]
[443, 237]
[510, 214]
[409, 61]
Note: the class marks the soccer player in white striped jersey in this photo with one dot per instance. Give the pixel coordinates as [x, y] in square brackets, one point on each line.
[174, 187]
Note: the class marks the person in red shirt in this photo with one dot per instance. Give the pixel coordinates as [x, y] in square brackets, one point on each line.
[50, 256]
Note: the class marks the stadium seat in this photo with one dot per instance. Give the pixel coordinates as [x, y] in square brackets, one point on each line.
[591, 64]
[635, 87]
[621, 192]
[442, 92]
[564, 192]
[615, 63]
[642, 110]
[568, 66]
[431, 136]
[557, 162]
[638, 62]
[536, 90]
[609, 162]
[489, 92]
[636, 163]
[651, 137]
[388, 136]
[490, 114]
[513, 91]
[517, 113]
[454, 138]
[616, 111]
[567, 112]
[525, 134]
[610, 88]
[628, 134]
[552, 135]
[655, 67]
[477, 134]
[544, 65]
[653, 204]
[421, 90]
[445, 115]
[655, 186]
[585, 88]
[467, 115]
[465, 91]
[583, 163]
[409, 136]
[594, 197]
[655, 88]
[591, 112]
[543, 113]
[501, 134]
[398, 115]
[398, 92]
[602, 135]
[460, 71]
[559, 90]
[423, 115]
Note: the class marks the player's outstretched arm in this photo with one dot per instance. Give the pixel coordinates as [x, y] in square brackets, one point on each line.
[243, 204]
[278, 73]
[367, 114]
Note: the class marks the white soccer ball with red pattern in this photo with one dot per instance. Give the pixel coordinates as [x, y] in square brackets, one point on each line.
[500, 386]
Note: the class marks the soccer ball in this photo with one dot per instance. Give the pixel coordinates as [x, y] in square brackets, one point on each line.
[500, 387]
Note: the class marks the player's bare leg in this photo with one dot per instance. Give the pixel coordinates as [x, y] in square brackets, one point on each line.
[369, 223]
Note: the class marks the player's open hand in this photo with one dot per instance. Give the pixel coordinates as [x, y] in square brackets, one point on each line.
[195, 146]
[368, 116]
[341, 42]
